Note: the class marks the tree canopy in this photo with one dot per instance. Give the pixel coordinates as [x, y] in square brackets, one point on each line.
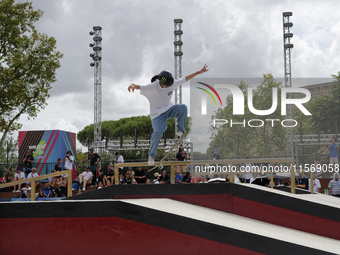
[28, 64]
[142, 124]
[240, 140]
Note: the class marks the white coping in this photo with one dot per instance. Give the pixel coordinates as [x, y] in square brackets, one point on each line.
[318, 198]
[240, 223]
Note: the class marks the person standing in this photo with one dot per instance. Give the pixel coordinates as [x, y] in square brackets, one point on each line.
[333, 152]
[119, 159]
[68, 162]
[28, 163]
[94, 159]
[159, 93]
[181, 156]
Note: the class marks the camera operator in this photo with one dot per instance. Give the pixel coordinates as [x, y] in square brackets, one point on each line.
[68, 162]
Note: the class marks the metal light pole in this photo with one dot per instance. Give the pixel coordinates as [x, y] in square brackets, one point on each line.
[178, 60]
[287, 46]
[97, 64]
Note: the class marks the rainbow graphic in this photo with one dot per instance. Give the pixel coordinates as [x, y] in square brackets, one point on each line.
[209, 93]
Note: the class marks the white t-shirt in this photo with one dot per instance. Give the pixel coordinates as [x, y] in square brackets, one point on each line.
[120, 159]
[68, 163]
[159, 98]
[87, 175]
[31, 175]
[19, 176]
[316, 185]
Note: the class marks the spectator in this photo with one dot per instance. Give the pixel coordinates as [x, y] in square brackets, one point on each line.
[75, 185]
[318, 169]
[121, 178]
[62, 189]
[57, 166]
[98, 175]
[28, 162]
[134, 181]
[119, 159]
[334, 186]
[100, 185]
[69, 159]
[109, 175]
[156, 178]
[140, 175]
[333, 152]
[316, 185]
[203, 179]
[47, 189]
[181, 156]
[94, 159]
[178, 177]
[186, 177]
[164, 177]
[108, 183]
[34, 174]
[302, 181]
[41, 194]
[127, 179]
[8, 177]
[19, 175]
[248, 176]
[148, 181]
[216, 155]
[85, 177]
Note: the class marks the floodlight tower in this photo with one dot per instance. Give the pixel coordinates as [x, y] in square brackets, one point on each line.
[287, 46]
[178, 60]
[97, 64]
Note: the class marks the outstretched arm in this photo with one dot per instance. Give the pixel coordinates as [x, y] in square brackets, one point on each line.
[132, 87]
[203, 70]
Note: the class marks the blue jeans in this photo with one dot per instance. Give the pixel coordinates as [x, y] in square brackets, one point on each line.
[159, 124]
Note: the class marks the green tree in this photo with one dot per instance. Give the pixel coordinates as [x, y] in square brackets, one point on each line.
[28, 63]
[240, 140]
[127, 126]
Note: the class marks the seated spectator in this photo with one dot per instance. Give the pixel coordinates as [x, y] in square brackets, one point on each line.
[85, 177]
[100, 185]
[8, 177]
[134, 181]
[156, 178]
[203, 179]
[121, 178]
[75, 185]
[316, 185]
[148, 181]
[47, 189]
[31, 175]
[98, 175]
[186, 177]
[140, 175]
[302, 181]
[19, 175]
[61, 191]
[334, 186]
[164, 177]
[109, 175]
[108, 183]
[178, 177]
[41, 194]
[127, 179]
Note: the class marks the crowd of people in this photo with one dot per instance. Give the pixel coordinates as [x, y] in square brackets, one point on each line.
[94, 176]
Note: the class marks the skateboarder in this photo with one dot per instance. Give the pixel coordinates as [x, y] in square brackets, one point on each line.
[159, 93]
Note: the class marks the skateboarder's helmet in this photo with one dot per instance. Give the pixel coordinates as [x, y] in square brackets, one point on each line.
[165, 78]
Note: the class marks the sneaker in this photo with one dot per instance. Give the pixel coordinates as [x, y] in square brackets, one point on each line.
[84, 189]
[151, 161]
[179, 134]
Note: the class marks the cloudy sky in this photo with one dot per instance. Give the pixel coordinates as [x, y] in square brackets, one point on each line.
[241, 38]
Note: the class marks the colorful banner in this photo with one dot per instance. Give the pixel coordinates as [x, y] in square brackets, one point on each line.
[47, 146]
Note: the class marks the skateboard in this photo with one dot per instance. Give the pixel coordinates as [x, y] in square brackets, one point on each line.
[160, 165]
